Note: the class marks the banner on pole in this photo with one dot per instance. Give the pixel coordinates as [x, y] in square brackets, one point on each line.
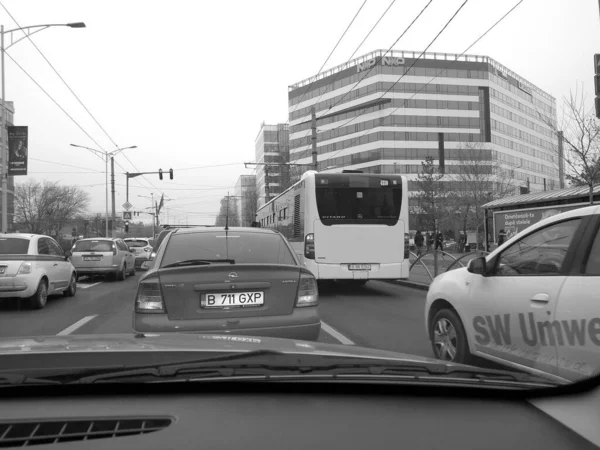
[17, 150]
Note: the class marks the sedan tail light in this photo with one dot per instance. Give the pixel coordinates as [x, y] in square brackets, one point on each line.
[308, 292]
[25, 268]
[309, 246]
[149, 297]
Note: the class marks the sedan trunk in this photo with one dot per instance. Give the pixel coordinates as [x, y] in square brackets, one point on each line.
[226, 290]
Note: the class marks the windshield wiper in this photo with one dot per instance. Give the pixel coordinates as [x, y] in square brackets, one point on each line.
[198, 262]
[15, 379]
[271, 365]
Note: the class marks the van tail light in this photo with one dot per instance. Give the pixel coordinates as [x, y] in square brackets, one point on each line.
[309, 246]
[25, 268]
[149, 297]
[308, 292]
[406, 246]
[114, 247]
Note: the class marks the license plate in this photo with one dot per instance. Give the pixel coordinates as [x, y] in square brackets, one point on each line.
[359, 266]
[237, 299]
[92, 258]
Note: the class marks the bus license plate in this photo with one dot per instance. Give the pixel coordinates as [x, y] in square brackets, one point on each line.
[359, 266]
[237, 299]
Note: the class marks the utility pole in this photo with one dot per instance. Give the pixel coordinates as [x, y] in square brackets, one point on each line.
[313, 125]
[112, 183]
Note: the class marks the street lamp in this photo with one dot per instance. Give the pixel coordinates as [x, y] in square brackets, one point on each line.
[104, 155]
[27, 31]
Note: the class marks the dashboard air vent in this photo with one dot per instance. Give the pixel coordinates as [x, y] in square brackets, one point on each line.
[23, 434]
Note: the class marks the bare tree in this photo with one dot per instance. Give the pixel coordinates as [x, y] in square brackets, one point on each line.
[432, 195]
[480, 178]
[581, 138]
[46, 206]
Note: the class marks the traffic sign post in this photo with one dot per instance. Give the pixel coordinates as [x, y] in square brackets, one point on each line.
[126, 215]
[127, 206]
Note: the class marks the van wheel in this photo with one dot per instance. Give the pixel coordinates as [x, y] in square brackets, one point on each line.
[121, 274]
[72, 289]
[448, 338]
[40, 298]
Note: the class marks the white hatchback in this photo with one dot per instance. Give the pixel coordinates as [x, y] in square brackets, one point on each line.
[532, 304]
[33, 267]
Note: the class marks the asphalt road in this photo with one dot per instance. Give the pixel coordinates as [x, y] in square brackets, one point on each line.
[378, 315]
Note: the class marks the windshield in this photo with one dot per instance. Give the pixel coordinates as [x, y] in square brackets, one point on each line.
[93, 246]
[14, 246]
[395, 179]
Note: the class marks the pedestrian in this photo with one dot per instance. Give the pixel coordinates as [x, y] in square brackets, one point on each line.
[461, 242]
[429, 240]
[501, 237]
[439, 242]
[419, 242]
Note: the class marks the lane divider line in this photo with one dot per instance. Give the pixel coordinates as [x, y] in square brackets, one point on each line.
[87, 286]
[76, 325]
[336, 334]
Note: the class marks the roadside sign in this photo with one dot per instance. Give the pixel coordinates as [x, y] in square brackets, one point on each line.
[126, 215]
[127, 206]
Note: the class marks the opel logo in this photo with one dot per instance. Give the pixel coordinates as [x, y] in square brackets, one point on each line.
[233, 275]
[360, 216]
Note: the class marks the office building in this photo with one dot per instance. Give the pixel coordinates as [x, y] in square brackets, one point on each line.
[246, 199]
[271, 147]
[383, 115]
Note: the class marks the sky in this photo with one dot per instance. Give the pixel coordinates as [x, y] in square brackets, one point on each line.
[190, 82]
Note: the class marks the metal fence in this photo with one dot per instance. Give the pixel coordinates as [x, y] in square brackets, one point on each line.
[436, 253]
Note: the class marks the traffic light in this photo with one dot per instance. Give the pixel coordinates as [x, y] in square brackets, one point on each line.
[160, 173]
[171, 173]
[127, 227]
[597, 83]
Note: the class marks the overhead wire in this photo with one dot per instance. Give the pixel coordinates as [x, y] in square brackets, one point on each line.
[331, 53]
[437, 74]
[366, 74]
[71, 90]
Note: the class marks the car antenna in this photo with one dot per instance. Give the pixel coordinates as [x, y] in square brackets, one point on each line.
[227, 214]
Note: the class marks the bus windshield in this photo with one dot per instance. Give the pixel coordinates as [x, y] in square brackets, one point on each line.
[352, 199]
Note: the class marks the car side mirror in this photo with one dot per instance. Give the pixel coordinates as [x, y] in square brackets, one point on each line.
[477, 265]
[68, 254]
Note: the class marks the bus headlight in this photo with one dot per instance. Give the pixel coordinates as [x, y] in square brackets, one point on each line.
[309, 246]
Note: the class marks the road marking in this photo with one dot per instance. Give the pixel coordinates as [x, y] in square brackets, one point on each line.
[87, 286]
[336, 334]
[76, 325]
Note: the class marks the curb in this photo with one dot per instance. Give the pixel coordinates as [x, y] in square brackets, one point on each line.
[410, 284]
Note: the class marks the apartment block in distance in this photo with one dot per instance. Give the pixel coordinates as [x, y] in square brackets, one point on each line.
[271, 147]
[382, 115]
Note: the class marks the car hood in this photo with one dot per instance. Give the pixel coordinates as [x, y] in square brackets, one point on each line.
[188, 343]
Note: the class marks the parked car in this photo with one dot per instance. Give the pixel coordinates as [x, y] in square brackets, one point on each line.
[141, 249]
[245, 281]
[103, 256]
[34, 266]
[531, 304]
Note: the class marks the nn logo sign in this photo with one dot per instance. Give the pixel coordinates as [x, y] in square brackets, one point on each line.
[385, 61]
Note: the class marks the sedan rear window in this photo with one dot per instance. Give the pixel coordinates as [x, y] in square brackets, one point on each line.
[137, 243]
[242, 248]
[93, 246]
[14, 246]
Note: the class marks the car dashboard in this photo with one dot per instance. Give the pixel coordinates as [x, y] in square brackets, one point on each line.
[284, 416]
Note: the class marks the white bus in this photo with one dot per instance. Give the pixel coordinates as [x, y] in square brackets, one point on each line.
[345, 226]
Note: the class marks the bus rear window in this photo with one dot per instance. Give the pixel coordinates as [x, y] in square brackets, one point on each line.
[358, 199]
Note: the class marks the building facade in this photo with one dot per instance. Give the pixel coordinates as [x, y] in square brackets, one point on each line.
[271, 147]
[246, 196]
[387, 114]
